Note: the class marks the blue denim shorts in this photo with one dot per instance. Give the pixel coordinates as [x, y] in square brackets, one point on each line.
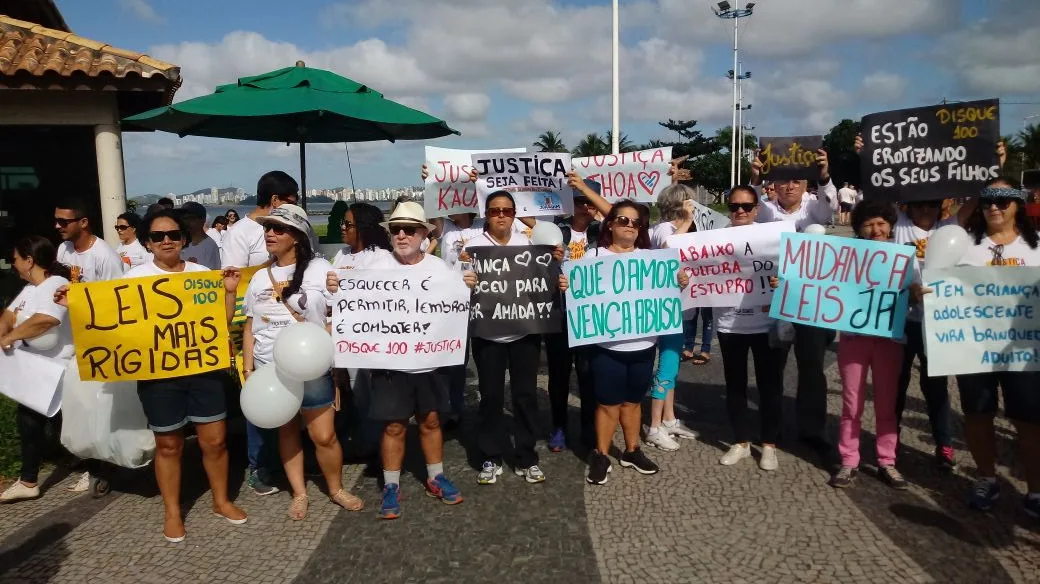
[318, 393]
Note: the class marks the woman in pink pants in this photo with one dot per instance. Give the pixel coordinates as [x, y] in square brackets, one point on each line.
[857, 354]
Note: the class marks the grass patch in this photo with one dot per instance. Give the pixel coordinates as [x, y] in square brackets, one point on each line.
[10, 457]
[320, 229]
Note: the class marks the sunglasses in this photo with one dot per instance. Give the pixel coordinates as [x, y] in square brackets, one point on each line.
[159, 236]
[625, 221]
[501, 212]
[277, 229]
[745, 207]
[122, 228]
[409, 230]
[347, 225]
[1001, 203]
[65, 222]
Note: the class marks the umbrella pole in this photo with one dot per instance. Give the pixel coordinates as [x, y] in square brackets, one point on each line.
[303, 175]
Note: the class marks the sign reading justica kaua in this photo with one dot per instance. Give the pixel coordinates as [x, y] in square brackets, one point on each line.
[620, 297]
[517, 293]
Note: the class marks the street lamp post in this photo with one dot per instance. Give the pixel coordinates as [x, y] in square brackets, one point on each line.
[616, 90]
[726, 10]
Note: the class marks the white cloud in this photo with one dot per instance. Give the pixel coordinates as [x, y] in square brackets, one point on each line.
[883, 86]
[142, 10]
[997, 55]
[467, 107]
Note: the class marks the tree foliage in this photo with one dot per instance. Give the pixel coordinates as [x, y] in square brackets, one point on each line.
[841, 154]
[550, 141]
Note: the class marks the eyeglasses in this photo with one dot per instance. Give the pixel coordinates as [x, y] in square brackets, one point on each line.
[1001, 203]
[159, 236]
[745, 207]
[277, 229]
[65, 222]
[347, 225]
[122, 228]
[625, 221]
[501, 212]
[409, 230]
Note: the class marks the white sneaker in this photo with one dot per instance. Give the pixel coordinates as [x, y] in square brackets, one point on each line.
[81, 485]
[19, 492]
[768, 460]
[736, 453]
[678, 430]
[659, 438]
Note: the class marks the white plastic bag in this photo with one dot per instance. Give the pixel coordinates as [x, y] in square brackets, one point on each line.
[104, 421]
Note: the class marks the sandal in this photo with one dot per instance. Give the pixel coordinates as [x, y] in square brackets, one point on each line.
[686, 356]
[347, 500]
[298, 508]
[701, 358]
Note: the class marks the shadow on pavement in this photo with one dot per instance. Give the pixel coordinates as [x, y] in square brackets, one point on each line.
[45, 547]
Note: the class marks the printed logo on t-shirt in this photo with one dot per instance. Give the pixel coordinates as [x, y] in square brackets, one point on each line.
[576, 249]
[1000, 260]
[125, 258]
[922, 247]
[77, 274]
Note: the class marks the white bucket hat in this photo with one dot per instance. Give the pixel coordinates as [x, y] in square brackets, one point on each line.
[408, 212]
[290, 216]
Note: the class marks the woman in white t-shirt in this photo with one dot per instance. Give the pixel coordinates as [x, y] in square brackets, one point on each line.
[363, 235]
[1004, 237]
[292, 289]
[130, 249]
[32, 313]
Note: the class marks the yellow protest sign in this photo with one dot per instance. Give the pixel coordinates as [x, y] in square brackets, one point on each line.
[150, 328]
[239, 320]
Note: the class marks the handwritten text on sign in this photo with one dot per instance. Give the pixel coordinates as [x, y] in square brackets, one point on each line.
[705, 218]
[623, 297]
[640, 176]
[448, 189]
[844, 284]
[538, 182]
[400, 319]
[982, 319]
[792, 158]
[930, 152]
[732, 266]
[518, 292]
[150, 328]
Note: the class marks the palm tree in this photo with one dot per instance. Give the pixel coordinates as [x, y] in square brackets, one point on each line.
[550, 141]
[1029, 142]
[591, 145]
[624, 144]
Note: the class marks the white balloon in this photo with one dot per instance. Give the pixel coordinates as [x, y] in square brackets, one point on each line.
[815, 229]
[947, 246]
[42, 342]
[546, 233]
[304, 351]
[270, 400]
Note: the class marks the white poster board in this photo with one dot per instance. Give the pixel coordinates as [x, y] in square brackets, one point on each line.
[705, 218]
[537, 182]
[640, 175]
[32, 380]
[448, 189]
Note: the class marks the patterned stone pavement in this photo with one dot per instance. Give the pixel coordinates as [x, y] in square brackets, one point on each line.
[694, 522]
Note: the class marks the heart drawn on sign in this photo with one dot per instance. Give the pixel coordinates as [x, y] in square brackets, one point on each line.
[523, 259]
[649, 180]
[543, 259]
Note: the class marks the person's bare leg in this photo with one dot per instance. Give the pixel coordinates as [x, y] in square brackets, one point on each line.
[169, 447]
[669, 407]
[630, 415]
[215, 461]
[322, 430]
[291, 449]
[431, 438]
[607, 418]
[658, 407]
[978, 433]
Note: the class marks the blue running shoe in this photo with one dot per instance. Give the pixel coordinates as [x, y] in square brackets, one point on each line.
[984, 493]
[391, 506]
[557, 440]
[441, 488]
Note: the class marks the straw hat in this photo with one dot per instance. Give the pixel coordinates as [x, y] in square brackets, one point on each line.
[408, 213]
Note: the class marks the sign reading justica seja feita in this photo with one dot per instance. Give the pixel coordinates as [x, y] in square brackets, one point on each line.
[789, 158]
[844, 284]
[448, 189]
[150, 328]
[400, 319]
[731, 266]
[982, 319]
[930, 152]
[538, 182]
[620, 297]
[518, 291]
[640, 175]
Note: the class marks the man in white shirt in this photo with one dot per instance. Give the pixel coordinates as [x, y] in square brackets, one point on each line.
[88, 257]
[846, 199]
[793, 201]
[201, 248]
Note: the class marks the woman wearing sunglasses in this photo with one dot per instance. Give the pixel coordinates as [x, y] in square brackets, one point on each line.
[130, 249]
[363, 235]
[232, 217]
[1004, 237]
[291, 289]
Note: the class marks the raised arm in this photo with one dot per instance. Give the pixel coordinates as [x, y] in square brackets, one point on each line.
[576, 181]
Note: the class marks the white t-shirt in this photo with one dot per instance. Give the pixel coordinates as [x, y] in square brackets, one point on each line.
[216, 235]
[660, 233]
[578, 245]
[244, 244]
[455, 238]
[906, 233]
[815, 209]
[744, 321]
[150, 269]
[97, 264]
[270, 316]
[39, 299]
[846, 195]
[485, 240]
[133, 254]
[205, 252]
[346, 259]
[1015, 254]
[625, 346]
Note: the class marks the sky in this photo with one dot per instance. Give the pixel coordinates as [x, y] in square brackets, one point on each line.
[503, 71]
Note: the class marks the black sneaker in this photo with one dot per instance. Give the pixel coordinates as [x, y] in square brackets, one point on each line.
[599, 468]
[637, 460]
[893, 478]
[844, 478]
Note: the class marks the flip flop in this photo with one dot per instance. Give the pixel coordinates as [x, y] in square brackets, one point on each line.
[686, 356]
[701, 358]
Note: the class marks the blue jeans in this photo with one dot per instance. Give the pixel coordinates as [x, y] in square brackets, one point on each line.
[690, 330]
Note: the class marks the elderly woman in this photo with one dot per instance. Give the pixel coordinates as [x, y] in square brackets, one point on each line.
[32, 313]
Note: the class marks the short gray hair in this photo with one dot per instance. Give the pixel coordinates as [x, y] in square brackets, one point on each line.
[671, 199]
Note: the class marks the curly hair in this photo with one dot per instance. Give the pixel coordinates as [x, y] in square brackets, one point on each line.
[606, 237]
[976, 224]
[367, 219]
[871, 209]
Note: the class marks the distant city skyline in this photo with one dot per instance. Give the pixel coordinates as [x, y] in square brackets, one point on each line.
[235, 195]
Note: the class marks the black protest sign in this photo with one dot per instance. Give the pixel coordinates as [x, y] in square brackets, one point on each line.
[789, 158]
[931, 152]
[518, 291]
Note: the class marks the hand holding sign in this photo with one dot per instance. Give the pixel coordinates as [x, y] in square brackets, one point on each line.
[792, 158]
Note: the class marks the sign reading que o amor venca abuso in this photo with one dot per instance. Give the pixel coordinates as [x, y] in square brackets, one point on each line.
[150, 328]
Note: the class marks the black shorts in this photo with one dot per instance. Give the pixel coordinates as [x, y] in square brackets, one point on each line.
[845, 207]
[1021, 394]
[169, 404]
[621, 376]
[396, 395]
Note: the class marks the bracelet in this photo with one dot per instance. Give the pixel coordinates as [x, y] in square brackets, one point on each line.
[248, 370]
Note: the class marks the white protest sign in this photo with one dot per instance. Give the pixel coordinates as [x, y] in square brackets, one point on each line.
[400, 319]
[448, 188]
[32, 380]
[705, 218]
[730, 266]
[982, 319]
[538, 182]
[640, 175]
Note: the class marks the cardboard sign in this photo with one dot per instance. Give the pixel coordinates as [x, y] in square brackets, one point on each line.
[790, 158]
[400, 319]
[640, 176]
[731, 266]
[706, 218]
[32, 380]
[621, 297]
[150, 328]
[930, 152]
[982, 319]
[538, 182]
[844, 284]
[448, 189]
[518, 292]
